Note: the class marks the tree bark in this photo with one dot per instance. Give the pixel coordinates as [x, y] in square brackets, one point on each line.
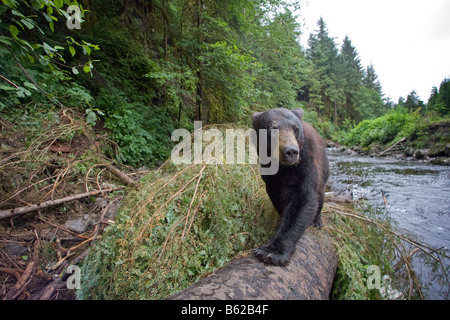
[309, 275]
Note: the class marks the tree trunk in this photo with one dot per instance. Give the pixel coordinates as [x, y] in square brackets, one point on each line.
[308, 276]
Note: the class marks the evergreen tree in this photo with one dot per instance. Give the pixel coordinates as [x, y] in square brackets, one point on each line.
[433, 98]
[282, 63]
[413, 101]
[349, 72]
[439, 100]
[323, 54]
[350, 65]
[370, 79]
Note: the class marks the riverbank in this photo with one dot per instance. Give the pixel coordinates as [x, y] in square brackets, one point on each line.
[430, 143]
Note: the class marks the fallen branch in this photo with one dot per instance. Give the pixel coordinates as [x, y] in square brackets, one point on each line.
[119, 174]
[428, 250]
[391, 147]
[22, 283]
[11, 213]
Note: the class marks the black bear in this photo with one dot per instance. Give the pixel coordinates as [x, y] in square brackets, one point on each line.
[297, 189]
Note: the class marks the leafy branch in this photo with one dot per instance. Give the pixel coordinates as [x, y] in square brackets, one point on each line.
[17, 28]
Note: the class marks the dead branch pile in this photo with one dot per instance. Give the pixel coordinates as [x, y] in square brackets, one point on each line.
[57, 193]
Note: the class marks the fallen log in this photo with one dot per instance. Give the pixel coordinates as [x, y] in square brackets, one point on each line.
[391, 147]
[309, 275]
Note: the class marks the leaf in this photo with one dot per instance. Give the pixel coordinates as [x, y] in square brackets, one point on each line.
[86, 49]
[30, 58]
[72, 50]
[22, 92]
[87, 69]
[28, 23]
[43, 61]
[47, 17]
[29, 85]
[6, 88]
[13, 29]
[58, 3]
[91, 117]
[48, 49]
[3, 9]
[75, 71]
[5, 40]
[52, 26]
[17, 13]
[37, 4]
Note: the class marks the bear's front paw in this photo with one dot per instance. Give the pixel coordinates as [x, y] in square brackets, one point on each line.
[271, 255]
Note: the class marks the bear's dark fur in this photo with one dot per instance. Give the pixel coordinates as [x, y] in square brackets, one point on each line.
[297, 190]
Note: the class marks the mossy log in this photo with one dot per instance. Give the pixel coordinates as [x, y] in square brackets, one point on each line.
[309, 275]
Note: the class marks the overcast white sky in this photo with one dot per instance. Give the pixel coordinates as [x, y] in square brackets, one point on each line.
[408, 41]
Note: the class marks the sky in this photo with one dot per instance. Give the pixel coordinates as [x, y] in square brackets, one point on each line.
[407, 41]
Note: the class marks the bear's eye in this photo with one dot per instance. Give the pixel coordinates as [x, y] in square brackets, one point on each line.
[296, 130]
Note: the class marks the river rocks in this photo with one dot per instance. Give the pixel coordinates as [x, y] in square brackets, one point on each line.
[421, 154]
[409, 151]
[437, 154]
[440, 160]
[440, 150]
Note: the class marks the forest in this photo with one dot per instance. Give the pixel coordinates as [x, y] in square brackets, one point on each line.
[92, 89]
[142, 69]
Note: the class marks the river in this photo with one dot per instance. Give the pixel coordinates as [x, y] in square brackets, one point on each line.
[417, 195]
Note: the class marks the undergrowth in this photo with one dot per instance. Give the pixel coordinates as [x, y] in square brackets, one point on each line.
[390, 127]
[359, 244]
[183, 222]
[367, 241]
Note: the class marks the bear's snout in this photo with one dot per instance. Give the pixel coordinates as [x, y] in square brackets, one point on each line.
[290, 154]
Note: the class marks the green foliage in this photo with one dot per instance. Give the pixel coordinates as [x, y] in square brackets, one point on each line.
[413, 102]
[367, 103]
[142, 134]
[230, 86]
[439, 100]
[26, 32]
[355, 256]
[282, 71]
[337, 85]
[164, 64]
[393, 126]
[34, 65]
[183, 221]
[366, 237]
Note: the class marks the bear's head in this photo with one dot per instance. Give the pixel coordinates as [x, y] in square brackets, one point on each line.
[290, 132]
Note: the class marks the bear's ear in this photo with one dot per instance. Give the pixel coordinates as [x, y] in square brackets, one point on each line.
[255, 117]
[299, 113]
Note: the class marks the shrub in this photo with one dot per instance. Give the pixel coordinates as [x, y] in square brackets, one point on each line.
[142, 134]
[392, 126]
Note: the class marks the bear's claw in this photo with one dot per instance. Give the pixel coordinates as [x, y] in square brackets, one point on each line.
[269, 256]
